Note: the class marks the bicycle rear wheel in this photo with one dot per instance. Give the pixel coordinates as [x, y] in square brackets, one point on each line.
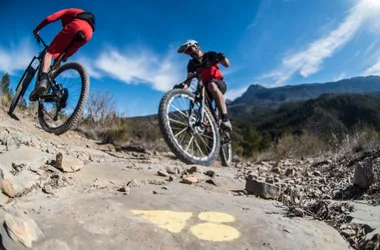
[192, 143]
[49, 116]
[225, 149]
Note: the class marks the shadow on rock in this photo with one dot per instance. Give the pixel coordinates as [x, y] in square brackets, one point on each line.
[13, 116]
[2, 247]
[352, 192]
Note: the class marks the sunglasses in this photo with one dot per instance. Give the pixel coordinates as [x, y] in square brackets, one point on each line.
[190, 50]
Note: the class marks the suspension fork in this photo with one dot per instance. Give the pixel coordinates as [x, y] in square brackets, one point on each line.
[201, 108]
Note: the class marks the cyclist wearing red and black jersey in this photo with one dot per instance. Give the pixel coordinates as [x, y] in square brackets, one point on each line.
[211, 76]
[73, 21]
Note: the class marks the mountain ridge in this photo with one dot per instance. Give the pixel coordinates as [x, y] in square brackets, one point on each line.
[260, 95]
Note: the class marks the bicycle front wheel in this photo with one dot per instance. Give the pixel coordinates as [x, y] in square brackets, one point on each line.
[192, 142]
[21, 88]
[60, 112]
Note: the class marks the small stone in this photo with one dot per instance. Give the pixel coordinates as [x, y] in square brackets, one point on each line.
[48, 189]
[18, 166]
[34, 168]
[133, 183]
[269, 179]
[124, 189]
[165, 187]
[215, 182]
[193, 169]
[40, 172]
[290, 172]
[298, 212]
[322, 180]
[157, 182]
[290, 181]
[307, 174]
[171, 178]
[326, 196]
[210, 173]
[173, 170]
[276, 179]
[276, 170]
[262, 169]
[162, 173]
[296, 200]
[155, 192]
[348, 232]
[317, 173]
[191, 179]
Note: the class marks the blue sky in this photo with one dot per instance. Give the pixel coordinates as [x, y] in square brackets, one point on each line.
[269, 42]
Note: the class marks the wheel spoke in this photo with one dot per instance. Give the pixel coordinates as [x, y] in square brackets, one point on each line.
[178, 122]
[180, 132]
[200, 150]
[179, 111]
[191, 139]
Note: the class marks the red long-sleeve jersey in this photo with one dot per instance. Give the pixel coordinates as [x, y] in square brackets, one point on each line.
[65, 15]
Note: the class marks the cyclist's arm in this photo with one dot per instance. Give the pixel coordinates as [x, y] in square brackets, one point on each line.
[187, 82]
[190, 73]
[52, 18]
[223, 60]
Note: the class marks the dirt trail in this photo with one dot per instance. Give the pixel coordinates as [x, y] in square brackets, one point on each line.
[100, 199]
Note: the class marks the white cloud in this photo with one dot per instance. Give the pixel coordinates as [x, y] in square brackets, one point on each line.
[374, 70]
[16, 57]
[234, 93]
[93, 72]
[142, 67]
[309, 60]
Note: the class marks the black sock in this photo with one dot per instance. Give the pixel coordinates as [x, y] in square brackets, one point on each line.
[224, 117]
[43, 75]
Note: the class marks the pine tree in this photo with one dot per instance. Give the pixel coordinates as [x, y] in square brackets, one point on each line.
[4, 85]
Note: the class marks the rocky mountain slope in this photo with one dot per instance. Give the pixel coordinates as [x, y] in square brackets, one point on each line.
[258, 95]
[68, 192]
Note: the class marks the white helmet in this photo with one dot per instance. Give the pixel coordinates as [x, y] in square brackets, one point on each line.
[187, 45]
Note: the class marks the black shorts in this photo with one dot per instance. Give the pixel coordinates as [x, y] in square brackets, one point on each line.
[220, 83]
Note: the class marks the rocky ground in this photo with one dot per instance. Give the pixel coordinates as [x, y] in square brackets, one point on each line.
[67, 192]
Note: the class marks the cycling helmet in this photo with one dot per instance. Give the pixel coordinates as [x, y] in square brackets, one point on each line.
[187, 45]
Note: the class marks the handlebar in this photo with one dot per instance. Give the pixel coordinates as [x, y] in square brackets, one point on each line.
[39, 39]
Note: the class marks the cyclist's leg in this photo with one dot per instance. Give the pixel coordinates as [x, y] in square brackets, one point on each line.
[217, 87]
[60, 42]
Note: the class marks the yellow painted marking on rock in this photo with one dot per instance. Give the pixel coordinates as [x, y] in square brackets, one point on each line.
[216, 217]
[215, 232]
[169, 220]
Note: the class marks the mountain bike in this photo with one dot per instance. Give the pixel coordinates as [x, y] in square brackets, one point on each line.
[194, 135]
[57, 95]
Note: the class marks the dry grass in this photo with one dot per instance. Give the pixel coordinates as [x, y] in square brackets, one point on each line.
[308, 145]
[290, 146]
[5, 100]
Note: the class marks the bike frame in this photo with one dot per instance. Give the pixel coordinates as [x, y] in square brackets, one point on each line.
[202, 97]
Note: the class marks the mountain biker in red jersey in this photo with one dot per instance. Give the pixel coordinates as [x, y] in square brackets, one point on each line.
[211, 76]
[73, 21]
